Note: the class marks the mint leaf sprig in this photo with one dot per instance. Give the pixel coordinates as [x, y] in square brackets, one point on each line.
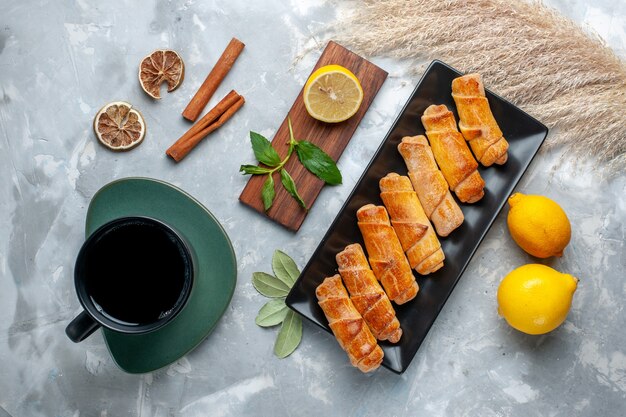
[275, 311]
[311, 156]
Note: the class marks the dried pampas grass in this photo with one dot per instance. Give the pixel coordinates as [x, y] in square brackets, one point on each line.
[526, 52]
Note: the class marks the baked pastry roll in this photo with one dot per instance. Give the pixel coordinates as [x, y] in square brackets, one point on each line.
[385, 253]
[348, 326]
[430, 185]
[408, 219]
[476, 121]
[367, 295]
[457, 163]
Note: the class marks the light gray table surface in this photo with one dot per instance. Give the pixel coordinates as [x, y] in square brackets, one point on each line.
[61, 61]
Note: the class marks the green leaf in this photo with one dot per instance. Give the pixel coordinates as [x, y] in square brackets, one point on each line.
[267, 192]
[263, 150]
[289, 336]
[269, 286]
[253, 169]
[318, 162]
[285, 268]
[290, 186]
[272, 313]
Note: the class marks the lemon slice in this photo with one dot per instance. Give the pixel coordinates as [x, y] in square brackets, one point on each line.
[332, 94]
[161, 66]
[119, 126]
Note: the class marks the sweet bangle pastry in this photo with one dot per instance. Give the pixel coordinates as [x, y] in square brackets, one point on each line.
[457, 163]
[408, 219]
[476, 121]
[430, 185]
[348, 326]
[367, 295]
[385, 253]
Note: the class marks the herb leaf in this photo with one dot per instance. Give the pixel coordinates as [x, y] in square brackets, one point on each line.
[290, 186]
[285, 268]
[311, 156]
[253, 169]
[272, 313]
[263, 150]
[275, 311]
[269, 286]
[318, 162]
[267, 192]
[289, 336]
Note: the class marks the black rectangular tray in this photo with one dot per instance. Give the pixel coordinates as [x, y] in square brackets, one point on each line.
[524, 134]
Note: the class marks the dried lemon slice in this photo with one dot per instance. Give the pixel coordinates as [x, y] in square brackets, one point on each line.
[119, 127]
[332, 94]
[162, 65]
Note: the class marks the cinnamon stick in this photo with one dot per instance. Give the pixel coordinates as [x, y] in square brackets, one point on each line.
[195, 139]
[213, 80]
[214, 119]
[212, 115]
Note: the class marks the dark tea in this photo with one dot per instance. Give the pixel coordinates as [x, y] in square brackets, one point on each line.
[136, 273]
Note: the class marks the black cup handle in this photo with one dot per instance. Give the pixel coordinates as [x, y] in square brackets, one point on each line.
[81, 327]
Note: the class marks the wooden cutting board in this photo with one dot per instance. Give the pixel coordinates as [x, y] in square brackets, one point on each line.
[331, 137]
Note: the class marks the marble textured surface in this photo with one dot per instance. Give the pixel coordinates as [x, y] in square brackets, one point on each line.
[61, 61]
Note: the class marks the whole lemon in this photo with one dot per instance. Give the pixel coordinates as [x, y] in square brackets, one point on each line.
[538, 225]
[535, 299]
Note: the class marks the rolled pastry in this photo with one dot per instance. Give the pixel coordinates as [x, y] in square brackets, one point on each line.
[385, 252]
[408, 219]
[430, 185]
[457, 163]
[367, 295]
[476, 121]
[348, 326]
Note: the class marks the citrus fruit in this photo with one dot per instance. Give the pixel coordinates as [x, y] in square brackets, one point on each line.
[538, 225]
[118, 126]
[162, 65]
[535, 299]
[332, 94]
